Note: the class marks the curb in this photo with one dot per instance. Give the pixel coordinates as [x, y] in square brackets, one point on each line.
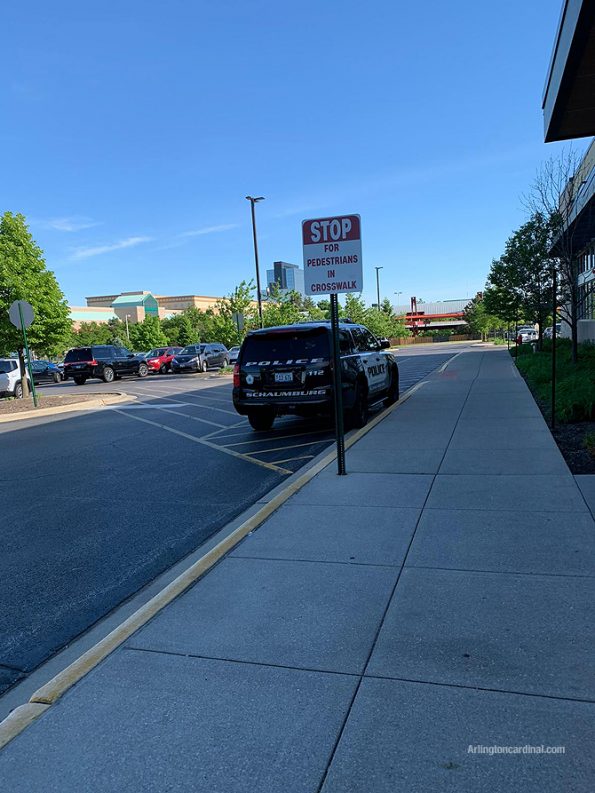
[91, 404]
[49, 693]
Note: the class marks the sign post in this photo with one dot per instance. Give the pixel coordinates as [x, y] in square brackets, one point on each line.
[333, 266]
[21, 315]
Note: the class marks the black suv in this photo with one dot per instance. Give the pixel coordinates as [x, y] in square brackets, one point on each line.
[288, 370]
[105, 361]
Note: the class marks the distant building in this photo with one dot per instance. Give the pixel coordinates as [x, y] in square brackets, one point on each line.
[288, 277]
[135, 306]
[439, 315]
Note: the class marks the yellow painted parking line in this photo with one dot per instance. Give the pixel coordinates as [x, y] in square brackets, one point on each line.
[277, 437]
[173, 399]
[283, 448]
[194, 418]
[202, 441]
[291, 459]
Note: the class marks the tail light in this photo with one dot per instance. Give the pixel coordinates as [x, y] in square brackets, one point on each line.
[93, 362]
[236, 376]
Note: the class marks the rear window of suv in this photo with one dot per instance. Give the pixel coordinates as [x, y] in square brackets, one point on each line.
[80, 354]
[6, 367]
[287, 345]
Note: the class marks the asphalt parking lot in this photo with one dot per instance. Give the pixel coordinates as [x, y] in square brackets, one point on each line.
[102, 502]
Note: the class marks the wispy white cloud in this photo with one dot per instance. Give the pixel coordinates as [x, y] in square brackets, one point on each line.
[209, 230]
[98, 250]
[69, 224]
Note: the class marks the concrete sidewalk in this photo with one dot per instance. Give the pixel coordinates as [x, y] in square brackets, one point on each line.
[371, 631]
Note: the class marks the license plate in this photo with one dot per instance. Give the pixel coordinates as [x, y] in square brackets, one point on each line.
[283, 377]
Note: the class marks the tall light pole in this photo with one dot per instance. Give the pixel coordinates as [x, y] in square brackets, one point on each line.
[378, 285]
[253, 201]
[127, 332]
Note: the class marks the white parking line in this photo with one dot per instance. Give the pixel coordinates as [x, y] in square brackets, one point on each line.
[203, 442]
[276, 437]
[204, 407]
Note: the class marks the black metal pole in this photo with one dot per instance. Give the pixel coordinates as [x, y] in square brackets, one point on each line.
[337, 387]
[554, 335]
[378, 286]
[258, 296]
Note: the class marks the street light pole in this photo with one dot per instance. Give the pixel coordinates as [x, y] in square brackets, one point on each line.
[253, 201]
[378, 285]
[127, 332]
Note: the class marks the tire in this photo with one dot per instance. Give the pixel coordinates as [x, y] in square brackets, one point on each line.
[143, 370]
[163, 369]
[392, 394]
[18, 390]
[225, 362]
[204, 367]
[57, 378]
[79, 380]
[108, 375]
[261, 420]
[358, 415]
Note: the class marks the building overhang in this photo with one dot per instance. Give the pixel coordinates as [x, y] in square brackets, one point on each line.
[569, 98]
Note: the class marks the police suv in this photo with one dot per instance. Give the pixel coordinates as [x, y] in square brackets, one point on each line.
[288, 370]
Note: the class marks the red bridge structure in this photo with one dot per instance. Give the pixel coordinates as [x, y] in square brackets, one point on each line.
[439, 315]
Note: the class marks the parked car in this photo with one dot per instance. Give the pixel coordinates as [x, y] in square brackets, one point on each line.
[526, 333]
[548, 333]
[104, 361]
[10, 378]
[159, 359]
[233, 354]
[199, 358]
[45, 372]
[288, 370]
[142, 356]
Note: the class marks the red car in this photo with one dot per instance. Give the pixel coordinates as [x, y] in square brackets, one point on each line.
[159, 359]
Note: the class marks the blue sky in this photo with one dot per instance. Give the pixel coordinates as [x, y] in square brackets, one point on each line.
[132, 131]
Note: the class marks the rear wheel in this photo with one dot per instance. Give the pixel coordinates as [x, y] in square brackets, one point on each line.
[204, 366]
[358, 415]
[79, 380]
[18, 391]
[108, 375]
[143, 370]
[392, 395]
[261, 420]
[162, 369]
[57, 378]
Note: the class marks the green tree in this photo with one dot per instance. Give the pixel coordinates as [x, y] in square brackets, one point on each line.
[91, 333]
[23, 276]
[478, 318]
[147, 334]
[522, 276]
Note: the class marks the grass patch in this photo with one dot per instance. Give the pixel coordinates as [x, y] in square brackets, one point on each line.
[575, 384]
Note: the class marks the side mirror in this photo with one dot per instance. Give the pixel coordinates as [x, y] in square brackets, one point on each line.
[384, 344]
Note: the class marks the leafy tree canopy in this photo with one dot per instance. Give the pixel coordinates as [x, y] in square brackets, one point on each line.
[23, 276]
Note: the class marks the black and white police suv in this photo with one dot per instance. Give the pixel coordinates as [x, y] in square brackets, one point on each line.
[288, 370]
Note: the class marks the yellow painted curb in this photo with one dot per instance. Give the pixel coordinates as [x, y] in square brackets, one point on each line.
[18, 719]
[49, 693]
[91, 404]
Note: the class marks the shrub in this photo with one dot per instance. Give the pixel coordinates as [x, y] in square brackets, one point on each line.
[575, 385]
